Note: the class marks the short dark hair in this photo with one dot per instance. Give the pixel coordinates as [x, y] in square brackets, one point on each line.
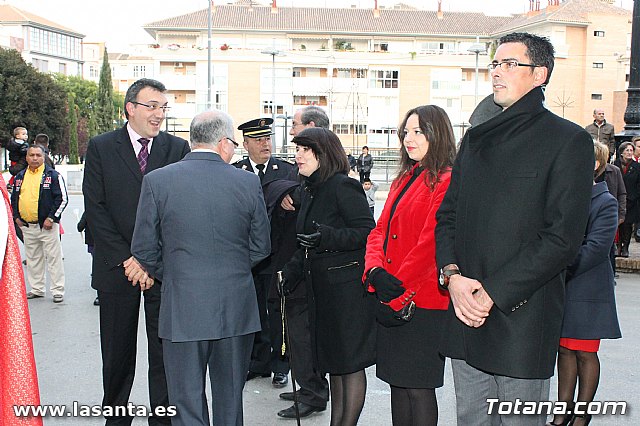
[366, 180]
[436, 127]
[41, 139]
[315, 114]
[539, 49]
[328, 150]
[136, 87]
[365, 147]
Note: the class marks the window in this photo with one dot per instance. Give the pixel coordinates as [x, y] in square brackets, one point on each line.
[139, 70]
[267, 109]
[339, 73]
[598, 65]
[361, 73]
[297, 72]
[384, 79]
[62, 68]
[437, 47]
[596, 96]
[361, 129]
[380, 47]
[341, 129]
[93, 72]
[40, 64]
[598, 33]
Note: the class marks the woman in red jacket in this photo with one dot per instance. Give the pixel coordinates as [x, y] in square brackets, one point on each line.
[400, 267]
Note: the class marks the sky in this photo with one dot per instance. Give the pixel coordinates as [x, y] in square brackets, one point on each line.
[119, 22]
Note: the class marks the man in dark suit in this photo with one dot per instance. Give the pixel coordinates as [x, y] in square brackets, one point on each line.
[115, 164]
[265, 356]
[201, 241]
[505, 235]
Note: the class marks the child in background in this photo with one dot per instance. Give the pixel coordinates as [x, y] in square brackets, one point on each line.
[370, 190]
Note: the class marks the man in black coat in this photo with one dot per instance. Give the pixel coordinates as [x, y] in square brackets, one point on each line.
[506, 232]
[115, 164]
[265, 356]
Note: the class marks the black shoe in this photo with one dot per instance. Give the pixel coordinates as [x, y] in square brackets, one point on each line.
[303, 409]
[287, 396]
[251, 375]
[280, 380]
[624, 253]
[96, 302]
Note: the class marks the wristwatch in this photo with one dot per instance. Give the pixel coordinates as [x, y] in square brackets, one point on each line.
[445, 276]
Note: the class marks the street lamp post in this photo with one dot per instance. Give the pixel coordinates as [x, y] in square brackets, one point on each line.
[477, 48]
[273, 52]
[632, 113]
[209, 57]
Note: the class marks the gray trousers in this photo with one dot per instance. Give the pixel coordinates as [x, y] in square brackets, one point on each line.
[186, 368]
[474, 387]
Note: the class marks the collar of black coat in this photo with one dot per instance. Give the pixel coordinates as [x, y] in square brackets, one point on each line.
[511, 119]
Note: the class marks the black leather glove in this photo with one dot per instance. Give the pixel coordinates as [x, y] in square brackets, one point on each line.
[390, 318]
[285, 288]
[387, 286]
[310, 240]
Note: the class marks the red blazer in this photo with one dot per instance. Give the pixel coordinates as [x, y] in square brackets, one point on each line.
[411, 249]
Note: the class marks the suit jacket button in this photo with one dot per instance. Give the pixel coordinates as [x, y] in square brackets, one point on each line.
[394, 236]
[513, 309]
[388, 260]
[403, 302]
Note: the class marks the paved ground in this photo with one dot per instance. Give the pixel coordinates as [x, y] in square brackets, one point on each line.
[67, 347]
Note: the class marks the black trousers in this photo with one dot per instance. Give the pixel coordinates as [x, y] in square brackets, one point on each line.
[364, 175]
[265, 354]
[118, 337]
[314, 388]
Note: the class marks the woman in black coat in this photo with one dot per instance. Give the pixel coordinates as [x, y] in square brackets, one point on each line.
[590, 304]
[631, 176]
[332, 226]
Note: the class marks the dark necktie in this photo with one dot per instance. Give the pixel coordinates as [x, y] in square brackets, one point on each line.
[260, 168]
[143, 155]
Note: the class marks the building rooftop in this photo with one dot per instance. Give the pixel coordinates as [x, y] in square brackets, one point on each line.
[12, 15]
[301, 20]
[247, 16]
[572, 12]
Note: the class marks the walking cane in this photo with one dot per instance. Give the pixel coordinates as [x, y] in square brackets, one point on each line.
[287, 342]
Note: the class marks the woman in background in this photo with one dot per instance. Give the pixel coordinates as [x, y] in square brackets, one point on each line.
[401, 268]
[590, 303]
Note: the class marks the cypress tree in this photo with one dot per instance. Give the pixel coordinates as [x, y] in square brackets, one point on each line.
[104, 108]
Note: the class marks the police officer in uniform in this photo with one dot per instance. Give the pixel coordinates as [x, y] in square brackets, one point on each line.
[265, 356]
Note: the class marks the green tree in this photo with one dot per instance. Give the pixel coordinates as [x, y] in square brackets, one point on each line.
[73, 129]
[105, 112]
[30, 99]
[84, 94]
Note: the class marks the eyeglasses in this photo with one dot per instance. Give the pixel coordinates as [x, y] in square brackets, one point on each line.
[233, 142]
[154, 107]
[509, 65]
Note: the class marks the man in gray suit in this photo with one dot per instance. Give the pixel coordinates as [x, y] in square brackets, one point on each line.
[204, 226]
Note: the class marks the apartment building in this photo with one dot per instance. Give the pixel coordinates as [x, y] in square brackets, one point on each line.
[46, 45]
[366, 67]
